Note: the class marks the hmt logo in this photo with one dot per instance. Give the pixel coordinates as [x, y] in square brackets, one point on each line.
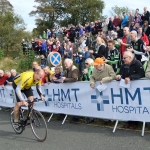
[100, 100]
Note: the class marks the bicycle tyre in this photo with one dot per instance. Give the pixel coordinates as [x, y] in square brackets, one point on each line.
[38, 125]
[20, 128]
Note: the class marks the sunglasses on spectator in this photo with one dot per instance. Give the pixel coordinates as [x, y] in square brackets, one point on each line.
[86, 63]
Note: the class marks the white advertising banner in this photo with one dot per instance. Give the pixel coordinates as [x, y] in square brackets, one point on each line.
[115, 102]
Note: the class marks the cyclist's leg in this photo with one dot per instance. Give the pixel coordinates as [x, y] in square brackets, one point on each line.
[29, 94]
[16, 108]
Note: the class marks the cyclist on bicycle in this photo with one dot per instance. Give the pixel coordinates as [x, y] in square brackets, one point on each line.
[23, 83]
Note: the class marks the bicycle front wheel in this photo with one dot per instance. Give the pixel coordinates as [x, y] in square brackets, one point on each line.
[38, 125]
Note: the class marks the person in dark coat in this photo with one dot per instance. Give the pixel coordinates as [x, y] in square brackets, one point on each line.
[132, 69]
[102, 51]
[43, 61]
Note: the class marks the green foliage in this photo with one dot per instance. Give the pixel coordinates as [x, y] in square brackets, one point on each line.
[1, 54]
[119, 10]
[12, 28]
[26, 61]
[81, 11]
[64, 12]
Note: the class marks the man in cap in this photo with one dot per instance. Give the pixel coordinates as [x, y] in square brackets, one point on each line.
[102, 72]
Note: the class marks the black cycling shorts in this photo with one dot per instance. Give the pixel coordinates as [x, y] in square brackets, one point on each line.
[27, 92]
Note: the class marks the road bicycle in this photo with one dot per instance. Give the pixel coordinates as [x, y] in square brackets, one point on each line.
[33, 118]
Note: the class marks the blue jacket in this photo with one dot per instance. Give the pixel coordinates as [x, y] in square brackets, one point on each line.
[44, 46]
[86, 55]
[125, 21]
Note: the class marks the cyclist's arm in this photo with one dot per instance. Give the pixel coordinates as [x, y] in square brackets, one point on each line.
[18, 91]
[38, 88]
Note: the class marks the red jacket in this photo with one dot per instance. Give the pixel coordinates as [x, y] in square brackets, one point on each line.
[116, 22]
[145, 39]
[3, 79]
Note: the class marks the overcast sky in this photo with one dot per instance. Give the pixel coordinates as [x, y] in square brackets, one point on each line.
[24, 7]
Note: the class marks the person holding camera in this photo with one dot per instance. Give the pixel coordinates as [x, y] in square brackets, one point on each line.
[137, 47]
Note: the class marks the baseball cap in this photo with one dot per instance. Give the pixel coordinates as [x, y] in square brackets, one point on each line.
[98, 61]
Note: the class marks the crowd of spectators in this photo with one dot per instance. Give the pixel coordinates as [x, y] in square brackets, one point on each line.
[106, 50]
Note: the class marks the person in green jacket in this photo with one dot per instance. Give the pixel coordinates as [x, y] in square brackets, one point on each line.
[44, 35]
[89, 69]
[86, 77]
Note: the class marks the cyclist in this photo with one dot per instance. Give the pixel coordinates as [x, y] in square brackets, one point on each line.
[23, 83]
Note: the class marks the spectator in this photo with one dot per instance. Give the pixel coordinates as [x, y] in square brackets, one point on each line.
[126, 41]
[44, 48]
[116, 22]
[116, 40]
[9, 78]
[137, 18]
[24, 46]
[86, 53]
[102, 51]
[43, 61]
[145, 15]
[13, 73]
[131, 27]
[57, 76]
[113, 57]
[72, 34]
[82, 43]
[110, 26]
[131, 18]
[137, 47]
[146, 28]
[88, 28]
[105, 26]
[68, 52]
[35, 65]
[44, 35]
[141, 35]
[119, 32]
[101, 72]
[48, 33]
[131, 70]
[49, 74]
[3, 78]
[89, 69]
[124, 22]
[88, 40]
[99, 25]
[71, 75]
[54, 49]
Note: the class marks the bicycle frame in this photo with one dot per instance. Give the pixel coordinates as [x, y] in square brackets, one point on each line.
[24, 122]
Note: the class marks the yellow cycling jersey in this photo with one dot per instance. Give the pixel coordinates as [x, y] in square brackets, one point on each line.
[25, 80]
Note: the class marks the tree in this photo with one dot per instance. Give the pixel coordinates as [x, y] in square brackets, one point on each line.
[54, 12]
[81, 11]
[119, 10]
[47, 13]
[12, 27]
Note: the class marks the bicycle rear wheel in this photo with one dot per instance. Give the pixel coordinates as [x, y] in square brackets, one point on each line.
[38, 125]
[17, 128]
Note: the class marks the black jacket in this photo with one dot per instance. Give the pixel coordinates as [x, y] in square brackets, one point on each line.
[43, 63]
[102, 52]
[110, 26]
[134, 71]
[145, 17]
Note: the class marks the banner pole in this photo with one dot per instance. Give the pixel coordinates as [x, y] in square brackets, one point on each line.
[64, 119]
[115, 126]
[50, 117]
[143, 128]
